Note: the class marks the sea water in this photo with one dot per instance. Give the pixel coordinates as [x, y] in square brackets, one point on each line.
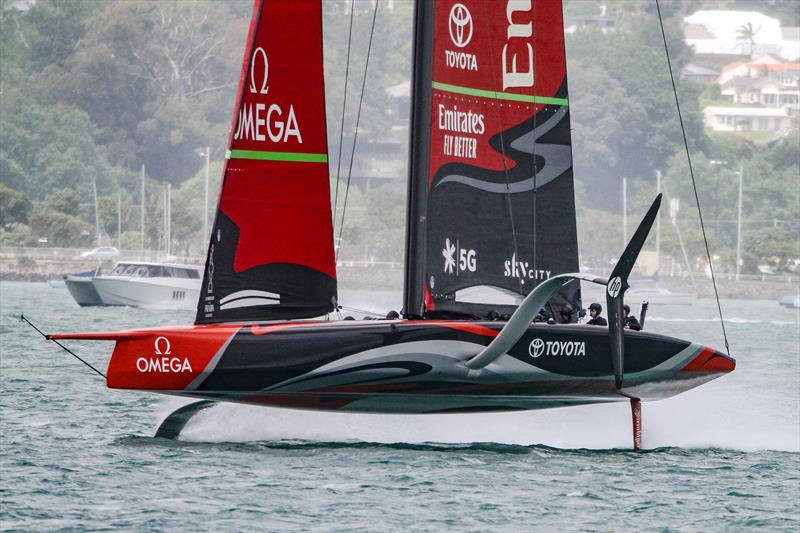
[77, 456]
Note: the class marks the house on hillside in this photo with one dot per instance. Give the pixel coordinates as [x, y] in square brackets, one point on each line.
[764, 91]
[720, 118]
[764, 81]
[699, 73]
[768, 65]
[790, 48]
[600, 21]
[745, 33]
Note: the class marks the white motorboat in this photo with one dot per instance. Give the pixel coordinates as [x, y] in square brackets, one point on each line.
[660, 296]
[142, 284]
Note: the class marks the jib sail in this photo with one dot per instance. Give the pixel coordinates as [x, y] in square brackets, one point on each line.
[491, 191]
[271, 251]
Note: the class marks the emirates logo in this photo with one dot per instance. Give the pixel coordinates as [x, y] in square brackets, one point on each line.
[460, 25]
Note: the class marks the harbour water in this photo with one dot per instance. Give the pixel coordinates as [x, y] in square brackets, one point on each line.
[77, 456]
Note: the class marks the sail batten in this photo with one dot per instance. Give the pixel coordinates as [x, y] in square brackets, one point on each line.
[271, 251]
[497, 95]
[277, 156]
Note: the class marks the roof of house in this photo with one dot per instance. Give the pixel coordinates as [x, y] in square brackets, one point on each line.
[697, 31]
[720, 32]
[401, 90]
[747, 111]
[697, 70]
[791, 33]
[745, 83]
[763, 66]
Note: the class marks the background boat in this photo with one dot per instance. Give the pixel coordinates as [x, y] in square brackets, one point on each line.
[144, 284]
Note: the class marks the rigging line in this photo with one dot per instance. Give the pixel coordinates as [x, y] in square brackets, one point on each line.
[362, 311]
[503, 145]
[355, 134]
[73, 354]
[694, 184]
[344, 107]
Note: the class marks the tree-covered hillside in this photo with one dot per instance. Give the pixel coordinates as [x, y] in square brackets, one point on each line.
[91, 92]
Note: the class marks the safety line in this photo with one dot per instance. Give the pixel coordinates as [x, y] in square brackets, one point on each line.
[73, 354]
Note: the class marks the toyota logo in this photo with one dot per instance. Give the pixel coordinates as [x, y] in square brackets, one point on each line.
[460, 25]
[536, 348]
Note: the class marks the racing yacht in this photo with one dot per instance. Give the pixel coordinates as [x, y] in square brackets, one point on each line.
[490, 205]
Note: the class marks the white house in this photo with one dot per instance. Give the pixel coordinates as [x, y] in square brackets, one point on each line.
[720, 32]
[763, 81]
[720, 118]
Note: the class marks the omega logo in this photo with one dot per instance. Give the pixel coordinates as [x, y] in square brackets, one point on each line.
[264, 89]
[157, 346]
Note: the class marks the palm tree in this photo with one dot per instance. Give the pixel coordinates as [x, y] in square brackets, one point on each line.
[746, 34]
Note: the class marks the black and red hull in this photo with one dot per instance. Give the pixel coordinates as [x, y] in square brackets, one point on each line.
[402, 366]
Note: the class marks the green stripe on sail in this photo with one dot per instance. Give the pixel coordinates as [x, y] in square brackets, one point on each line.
[498, 95]
[277, 156]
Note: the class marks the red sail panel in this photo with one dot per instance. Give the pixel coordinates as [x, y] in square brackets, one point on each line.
[271, 252]
[495, 206]
[490, 62]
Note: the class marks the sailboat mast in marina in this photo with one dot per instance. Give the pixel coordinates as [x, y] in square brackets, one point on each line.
[491, 241]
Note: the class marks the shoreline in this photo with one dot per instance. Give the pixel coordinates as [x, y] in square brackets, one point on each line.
[387, 278]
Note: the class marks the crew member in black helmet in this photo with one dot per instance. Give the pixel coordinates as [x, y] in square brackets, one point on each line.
[594, 311]
[628, 320]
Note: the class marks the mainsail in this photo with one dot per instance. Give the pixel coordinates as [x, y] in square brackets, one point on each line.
[271, 252]
[491, 191]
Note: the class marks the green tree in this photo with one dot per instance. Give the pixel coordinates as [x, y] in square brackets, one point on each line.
[155, 100]
[746, 37]
[17, 234]
[61, 229]
[14, 206]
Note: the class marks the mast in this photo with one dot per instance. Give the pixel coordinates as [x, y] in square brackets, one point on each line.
[624, 211]
[119, 219]
[96, 212]
[168, 220]
[205, 202]
[739, 224]
[658, 225]
[141, 231]
[419, 154]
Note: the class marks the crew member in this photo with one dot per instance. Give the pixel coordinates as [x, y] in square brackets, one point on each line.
[594, 311]
[566, 314]
[628, 320]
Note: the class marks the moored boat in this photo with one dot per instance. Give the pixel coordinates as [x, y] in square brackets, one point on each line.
[81, 288]
[144, 284]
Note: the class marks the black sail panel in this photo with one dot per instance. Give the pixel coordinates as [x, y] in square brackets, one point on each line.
[495, 206]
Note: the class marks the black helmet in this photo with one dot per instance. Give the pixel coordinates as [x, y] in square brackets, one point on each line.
[626, 308]
[596, 307]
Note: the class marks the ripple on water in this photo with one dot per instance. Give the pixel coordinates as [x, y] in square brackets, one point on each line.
[76, 456]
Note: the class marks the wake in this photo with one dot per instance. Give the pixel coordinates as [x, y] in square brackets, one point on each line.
[701, 418]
